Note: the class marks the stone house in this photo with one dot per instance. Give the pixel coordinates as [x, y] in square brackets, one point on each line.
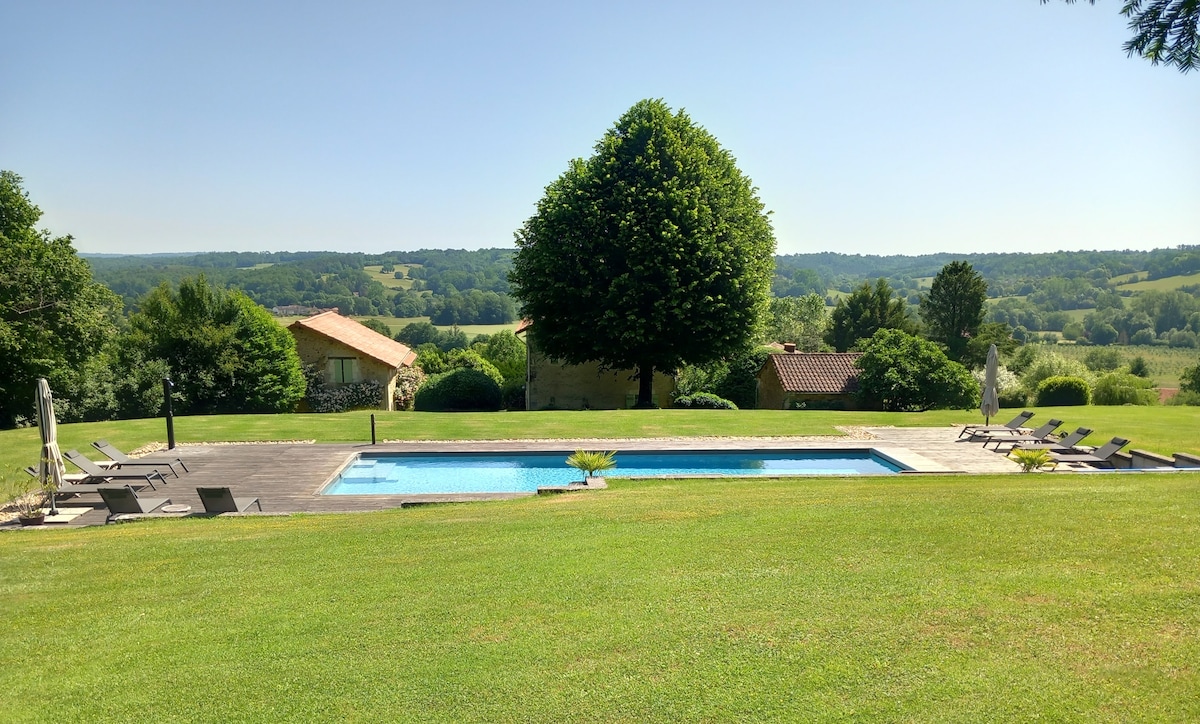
[550, 384]
[819, 380]
[348, 352]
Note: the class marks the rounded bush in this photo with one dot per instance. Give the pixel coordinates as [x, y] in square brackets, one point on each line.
[704, 401]
[458, 390]
[1062, 391]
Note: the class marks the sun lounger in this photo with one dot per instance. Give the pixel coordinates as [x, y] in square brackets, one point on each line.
[1097, 458]
[123, 461]
[1038, 435]
[1013, 426]
[221, 500]
[96, 474]
[1064, 445]
[122, 499]
[69, 478]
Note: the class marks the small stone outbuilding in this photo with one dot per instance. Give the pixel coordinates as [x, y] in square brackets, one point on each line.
[816, 380]
[349, 352]
[554, 385]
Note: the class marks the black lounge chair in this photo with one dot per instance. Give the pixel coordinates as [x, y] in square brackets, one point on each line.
[1064, 445]
[1038, 435]
[122, 499]
[77, 483]
[97, 474]
[1014, 426]
[122, 460]
[1097, 458]
[221, 500]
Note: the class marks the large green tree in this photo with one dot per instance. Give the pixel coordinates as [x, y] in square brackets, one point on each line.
[902, 372]
[867, 310]
[652, 253]
[53, 317]
[801, 320]
[1164, 31]
[955, 307]
[224, 352]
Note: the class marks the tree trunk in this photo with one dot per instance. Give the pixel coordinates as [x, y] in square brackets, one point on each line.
[645, 387]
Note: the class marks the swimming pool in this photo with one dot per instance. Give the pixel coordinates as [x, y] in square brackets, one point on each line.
[434, 473]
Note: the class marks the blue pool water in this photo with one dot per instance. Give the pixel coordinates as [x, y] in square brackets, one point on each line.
[417, 473]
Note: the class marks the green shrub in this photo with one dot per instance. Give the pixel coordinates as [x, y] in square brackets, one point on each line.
[1185, 397]
[1189, 379]
[1120, 388]
[1063, 390]
[704, 401]
[1143, 337]
[1052, 364]
[462, 389]
[1103, 359]
[1014, 397]
[1138, 366]
[512, 395]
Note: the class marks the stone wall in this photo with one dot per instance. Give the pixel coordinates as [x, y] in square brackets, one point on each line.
[550, 384]
[316, 349]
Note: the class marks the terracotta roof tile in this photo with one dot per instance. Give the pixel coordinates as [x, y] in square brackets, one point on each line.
[817, 372]
[359, 338]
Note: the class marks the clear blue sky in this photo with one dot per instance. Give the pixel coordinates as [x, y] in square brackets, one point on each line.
[869, 127]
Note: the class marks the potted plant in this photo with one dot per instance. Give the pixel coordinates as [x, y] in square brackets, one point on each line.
[592, 461]
[27, 499]
[1030, 460]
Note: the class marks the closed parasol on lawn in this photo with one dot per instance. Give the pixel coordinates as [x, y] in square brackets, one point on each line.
[990, 403]
[51, 467]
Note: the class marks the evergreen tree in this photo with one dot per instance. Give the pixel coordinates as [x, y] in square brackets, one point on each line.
[867, 310]
[954, 308]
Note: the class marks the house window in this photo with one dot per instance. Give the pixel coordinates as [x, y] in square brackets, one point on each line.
[343, 370]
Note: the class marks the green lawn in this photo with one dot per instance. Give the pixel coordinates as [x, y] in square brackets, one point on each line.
[1060, 598]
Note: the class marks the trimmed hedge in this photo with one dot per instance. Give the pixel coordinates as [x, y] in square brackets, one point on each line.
[458, 390]
[704, 401]
[1063, 390]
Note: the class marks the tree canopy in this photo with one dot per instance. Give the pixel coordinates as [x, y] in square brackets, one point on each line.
[225, 353]
[954, 308]
[1164, 31]
[864, 312]
[53, 317]
[901, 372]
[652, 253]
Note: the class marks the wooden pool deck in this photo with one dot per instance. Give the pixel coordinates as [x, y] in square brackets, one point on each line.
[287, 477]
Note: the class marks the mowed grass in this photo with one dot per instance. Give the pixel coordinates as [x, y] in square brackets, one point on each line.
[1020, 597]
[1163, 430]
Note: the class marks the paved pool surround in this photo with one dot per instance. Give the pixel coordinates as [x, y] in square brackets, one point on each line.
[287, 477]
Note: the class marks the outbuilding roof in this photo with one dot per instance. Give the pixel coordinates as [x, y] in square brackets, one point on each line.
[358, 337]
[816, 372]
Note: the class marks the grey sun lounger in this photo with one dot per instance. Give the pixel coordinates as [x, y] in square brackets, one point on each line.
[122, 499]
[221, 500]
[97, 474]
[1038, 435]
[1064, 445]
[77, 483]
[122, 460]
[1097, 458]
[1013, 426]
